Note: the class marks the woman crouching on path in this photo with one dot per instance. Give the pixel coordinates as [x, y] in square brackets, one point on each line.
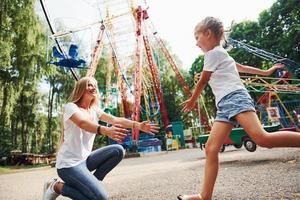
[75, 159]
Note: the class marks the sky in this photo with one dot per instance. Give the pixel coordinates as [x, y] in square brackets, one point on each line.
[175, 20]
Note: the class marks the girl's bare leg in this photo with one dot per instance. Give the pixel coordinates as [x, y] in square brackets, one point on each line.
[251, 124]
[218, 134]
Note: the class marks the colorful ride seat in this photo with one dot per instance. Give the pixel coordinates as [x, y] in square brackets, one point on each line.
[72, 61]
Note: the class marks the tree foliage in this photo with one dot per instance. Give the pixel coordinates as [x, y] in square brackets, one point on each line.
[21, 61]
[276, 31]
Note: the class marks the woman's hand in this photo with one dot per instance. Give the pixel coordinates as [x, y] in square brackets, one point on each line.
[188, 105]
[147, 127]
[116, 132]
[273, 69]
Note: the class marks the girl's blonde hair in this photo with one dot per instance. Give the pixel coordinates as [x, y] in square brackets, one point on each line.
[213, 24]
[76, 95]
[79, 89]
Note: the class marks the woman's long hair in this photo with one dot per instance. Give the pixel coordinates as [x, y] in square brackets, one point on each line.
[76, 95]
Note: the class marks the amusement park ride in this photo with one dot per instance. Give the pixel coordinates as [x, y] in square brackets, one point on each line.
[125, 30]
[286, 81]
[130, 46]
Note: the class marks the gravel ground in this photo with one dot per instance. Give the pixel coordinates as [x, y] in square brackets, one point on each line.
[265, 174]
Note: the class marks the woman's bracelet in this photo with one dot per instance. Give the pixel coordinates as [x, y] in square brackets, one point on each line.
[99, 130]
[133, 125]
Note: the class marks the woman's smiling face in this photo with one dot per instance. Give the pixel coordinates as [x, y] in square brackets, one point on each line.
[91, 89]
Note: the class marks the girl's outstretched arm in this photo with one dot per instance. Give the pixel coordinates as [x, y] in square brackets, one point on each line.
[189, 104]
[253, 70]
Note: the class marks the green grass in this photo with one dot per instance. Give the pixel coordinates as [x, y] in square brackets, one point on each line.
[8, 169]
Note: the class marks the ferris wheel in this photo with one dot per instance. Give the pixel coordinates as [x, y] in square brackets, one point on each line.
[122, 30]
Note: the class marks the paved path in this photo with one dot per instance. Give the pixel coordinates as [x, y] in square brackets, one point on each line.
[264, 174]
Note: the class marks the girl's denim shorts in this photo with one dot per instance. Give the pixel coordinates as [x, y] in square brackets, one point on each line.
[232, 104]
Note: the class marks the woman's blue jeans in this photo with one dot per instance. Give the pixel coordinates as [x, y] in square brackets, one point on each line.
[79, 181]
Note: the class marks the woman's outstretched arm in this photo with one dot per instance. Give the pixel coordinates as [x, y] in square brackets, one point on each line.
[145, 126]
[115, 132]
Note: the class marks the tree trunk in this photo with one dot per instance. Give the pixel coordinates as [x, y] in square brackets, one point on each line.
[13, 132]
[50, 109]
[2, 116]
[26, 136]
[23, 124]
[33, 136]
[3, 106]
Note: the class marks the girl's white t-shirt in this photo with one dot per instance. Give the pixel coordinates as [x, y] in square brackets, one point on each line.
[225, 77]
[78, 143]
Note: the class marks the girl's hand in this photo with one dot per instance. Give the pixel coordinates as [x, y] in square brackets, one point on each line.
[188, 105]
[274, 68]
[116, 132]
[147, 127]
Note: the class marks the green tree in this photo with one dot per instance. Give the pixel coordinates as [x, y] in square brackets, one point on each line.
[22, 38]
[281, 29]
[277, 31]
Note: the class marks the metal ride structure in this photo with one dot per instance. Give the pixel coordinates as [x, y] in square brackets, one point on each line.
[290, 65]
[270, 88]
[125, 31]
[106, 39]
[53, 31]
[278, 111]
[202, 116]
[283, 83]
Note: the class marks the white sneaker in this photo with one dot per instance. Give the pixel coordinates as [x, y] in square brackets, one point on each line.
[49, 193]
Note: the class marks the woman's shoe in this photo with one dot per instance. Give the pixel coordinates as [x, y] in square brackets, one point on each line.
[48, 192]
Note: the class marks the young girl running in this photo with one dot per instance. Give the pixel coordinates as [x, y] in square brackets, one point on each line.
[233, 102]
[82, 169]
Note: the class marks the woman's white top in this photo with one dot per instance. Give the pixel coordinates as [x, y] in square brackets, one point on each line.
[78, 143]
[225, 77]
